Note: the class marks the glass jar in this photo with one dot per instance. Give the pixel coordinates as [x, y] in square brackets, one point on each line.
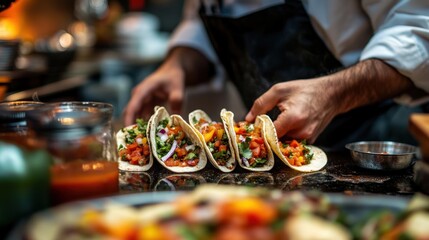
[24, 171]
[13, 121]
[80, 137]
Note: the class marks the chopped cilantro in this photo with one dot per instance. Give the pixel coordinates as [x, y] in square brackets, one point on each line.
[249, 127]
[221, 155]
[141, 126]
[163, 123]
[259, 162]
[191, 156]
[244, 149]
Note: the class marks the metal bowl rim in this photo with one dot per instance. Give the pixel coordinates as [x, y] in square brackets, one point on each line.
[349, 146]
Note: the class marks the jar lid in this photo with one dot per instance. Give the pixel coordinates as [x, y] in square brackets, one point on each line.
[15, 114]
[70, 119]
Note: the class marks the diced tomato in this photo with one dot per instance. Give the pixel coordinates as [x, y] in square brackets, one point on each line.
[131, 147]
[176, 130]
[170, 162]
[241, 131]
[136, 154]
[222, 148]
[217, 143]
[123, 152]
[253, 144]
[294, 143]
[259, 140]
[181, 152]
[146, 150]
[135, 160]
[256, 152]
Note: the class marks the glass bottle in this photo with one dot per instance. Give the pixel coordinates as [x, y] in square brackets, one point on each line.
[13, 121]
[24, 170]
[80, 137]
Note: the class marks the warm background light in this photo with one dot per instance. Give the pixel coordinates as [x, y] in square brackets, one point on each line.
[35, 19]
[8, 29]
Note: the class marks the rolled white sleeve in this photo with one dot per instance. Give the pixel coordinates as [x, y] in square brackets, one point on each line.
[191, 33]
[402, 40]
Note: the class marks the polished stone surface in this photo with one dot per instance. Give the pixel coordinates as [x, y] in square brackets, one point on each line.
[340, 175]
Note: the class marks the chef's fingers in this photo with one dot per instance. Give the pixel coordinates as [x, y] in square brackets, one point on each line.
[175, 90]
[140, 97]
[148, 110]
[283, 124]
[264, 103]
[175, 99]
[294, 126]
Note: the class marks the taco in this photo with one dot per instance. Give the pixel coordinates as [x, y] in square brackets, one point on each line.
[216, 141]
[133, 147]
[297, 155]
[251, 148]
[174, 144]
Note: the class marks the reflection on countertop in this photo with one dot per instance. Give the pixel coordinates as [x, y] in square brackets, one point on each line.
[340, 176]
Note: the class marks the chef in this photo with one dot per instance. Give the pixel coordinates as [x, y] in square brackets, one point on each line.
[328, 71]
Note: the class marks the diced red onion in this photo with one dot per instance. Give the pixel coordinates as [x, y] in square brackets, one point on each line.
[190, 147]
[139, 141]
[162, 134]
[241, 138]
[170, 153]
[245, 162]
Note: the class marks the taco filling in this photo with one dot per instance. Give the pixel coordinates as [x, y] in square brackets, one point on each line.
[216, 139]
[136, 150]
[173, 147]
[296, 153]
[251, 147]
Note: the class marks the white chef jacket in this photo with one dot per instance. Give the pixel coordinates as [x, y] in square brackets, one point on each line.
[395, 31]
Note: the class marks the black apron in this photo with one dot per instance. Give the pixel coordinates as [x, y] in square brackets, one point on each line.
[279, 44]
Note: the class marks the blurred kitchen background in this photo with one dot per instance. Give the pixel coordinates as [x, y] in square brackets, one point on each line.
[89, 50]
[94, 50]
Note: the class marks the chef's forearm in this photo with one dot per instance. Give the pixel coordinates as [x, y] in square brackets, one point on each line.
[197, 67]
[367, 82]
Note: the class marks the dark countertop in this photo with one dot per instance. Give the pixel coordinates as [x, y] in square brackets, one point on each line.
[340, 175]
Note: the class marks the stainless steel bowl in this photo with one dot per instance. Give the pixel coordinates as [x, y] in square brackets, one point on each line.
[382, 155]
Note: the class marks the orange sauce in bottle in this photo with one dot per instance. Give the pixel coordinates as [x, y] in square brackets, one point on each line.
[83, 179]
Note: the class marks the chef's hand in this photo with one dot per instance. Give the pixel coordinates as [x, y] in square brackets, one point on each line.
[167, 84]
[308, 106]
[304, 104]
